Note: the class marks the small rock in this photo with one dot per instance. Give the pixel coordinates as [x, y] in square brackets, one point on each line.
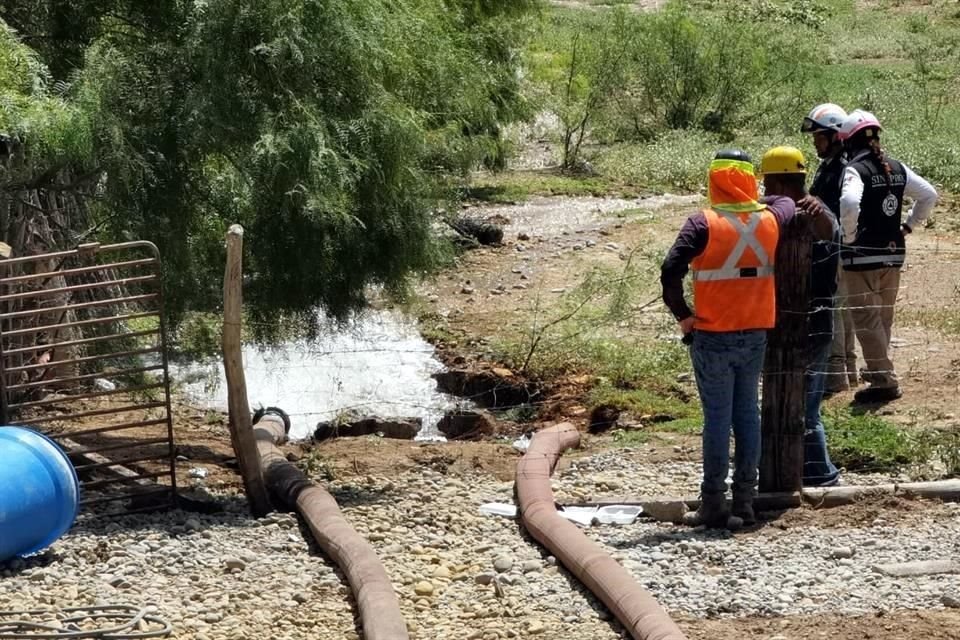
[212, 618]
[523, 236]
[467, 290]
[950, 601]
[530, 566]
[192, 524]
[300, 598]
[423, 588]
[841, 553]
[503, 564]
[235, 564]
[484, 578]
[442, 572]
[535, 626]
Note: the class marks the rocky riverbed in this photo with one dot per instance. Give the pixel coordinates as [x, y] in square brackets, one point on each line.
[461, 574]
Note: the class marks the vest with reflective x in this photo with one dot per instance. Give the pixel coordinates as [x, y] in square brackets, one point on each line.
[733, 279]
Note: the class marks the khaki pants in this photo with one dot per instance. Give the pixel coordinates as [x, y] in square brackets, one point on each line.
[872, 296]
[842, 365]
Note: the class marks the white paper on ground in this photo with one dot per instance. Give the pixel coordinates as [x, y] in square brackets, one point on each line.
[499, 509]
[522, 443]
[585, 516]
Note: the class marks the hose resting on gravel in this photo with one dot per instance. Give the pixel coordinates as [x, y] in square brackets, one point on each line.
[376, 599]
[636, 609]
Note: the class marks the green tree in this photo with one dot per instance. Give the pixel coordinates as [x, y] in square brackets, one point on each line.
[330, 130]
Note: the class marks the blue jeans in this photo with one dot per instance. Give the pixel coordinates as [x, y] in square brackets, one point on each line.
[818, 469]
[728, 367]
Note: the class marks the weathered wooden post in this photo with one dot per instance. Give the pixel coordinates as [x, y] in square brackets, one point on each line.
[241, 427]
[784, 389]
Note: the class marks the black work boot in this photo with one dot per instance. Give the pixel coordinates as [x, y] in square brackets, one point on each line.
[712, 512]
[743, 508]
[874, 394]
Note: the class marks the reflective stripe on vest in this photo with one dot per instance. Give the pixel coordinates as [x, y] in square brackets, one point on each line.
[892, 260]
[734, 288]
[733, 274]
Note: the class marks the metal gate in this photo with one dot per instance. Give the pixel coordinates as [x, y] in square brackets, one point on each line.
[83, 359]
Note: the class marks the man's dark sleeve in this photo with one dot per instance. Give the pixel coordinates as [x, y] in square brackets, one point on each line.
[691, 242]
[782, 208]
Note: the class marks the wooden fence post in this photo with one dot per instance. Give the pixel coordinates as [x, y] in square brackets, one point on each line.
[241, 426]
[784, 388]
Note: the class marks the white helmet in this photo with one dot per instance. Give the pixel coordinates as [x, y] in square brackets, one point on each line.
[857, 121]
[823, 117]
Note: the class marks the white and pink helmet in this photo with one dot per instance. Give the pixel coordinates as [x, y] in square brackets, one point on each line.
[824, 117]
[857, 121]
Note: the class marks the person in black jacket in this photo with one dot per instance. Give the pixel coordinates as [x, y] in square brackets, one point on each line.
[874, 247]
[824, 122]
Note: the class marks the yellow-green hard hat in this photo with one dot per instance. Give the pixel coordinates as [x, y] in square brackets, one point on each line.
[783, 160]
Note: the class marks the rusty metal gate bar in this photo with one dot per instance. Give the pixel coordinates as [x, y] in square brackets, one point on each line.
[69, 322]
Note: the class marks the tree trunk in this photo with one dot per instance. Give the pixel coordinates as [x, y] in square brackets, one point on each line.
[784, 389]
[33, 222]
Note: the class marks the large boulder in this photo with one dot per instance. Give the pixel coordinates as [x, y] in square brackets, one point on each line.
[397, 428]
[466, 425]
[487, 387]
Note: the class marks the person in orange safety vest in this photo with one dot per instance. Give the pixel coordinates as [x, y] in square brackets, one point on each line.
[731, 247]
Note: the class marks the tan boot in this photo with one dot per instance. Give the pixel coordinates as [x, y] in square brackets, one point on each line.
[712, 512]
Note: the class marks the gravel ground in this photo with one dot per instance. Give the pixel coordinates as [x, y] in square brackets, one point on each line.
[460, 574]
[628, 472]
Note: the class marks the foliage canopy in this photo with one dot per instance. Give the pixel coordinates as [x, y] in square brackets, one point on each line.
[328, 129]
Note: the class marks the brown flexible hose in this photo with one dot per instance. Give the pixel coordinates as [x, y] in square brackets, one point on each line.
[376, 599]
[636, 609]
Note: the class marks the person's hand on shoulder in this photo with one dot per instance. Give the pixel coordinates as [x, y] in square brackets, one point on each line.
[811, 206]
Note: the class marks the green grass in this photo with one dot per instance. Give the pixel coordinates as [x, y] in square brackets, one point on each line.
[519, 186]
[689, 426]
[946, 321]
[643, 403]
[630, 438]
[874, 67]
[867, 442]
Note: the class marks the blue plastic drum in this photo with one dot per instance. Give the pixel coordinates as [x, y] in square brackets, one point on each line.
[39, 492]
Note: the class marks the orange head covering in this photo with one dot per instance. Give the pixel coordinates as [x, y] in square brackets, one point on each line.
[733, 186]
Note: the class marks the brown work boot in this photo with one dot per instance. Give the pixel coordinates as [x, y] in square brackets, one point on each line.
[712, 512]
